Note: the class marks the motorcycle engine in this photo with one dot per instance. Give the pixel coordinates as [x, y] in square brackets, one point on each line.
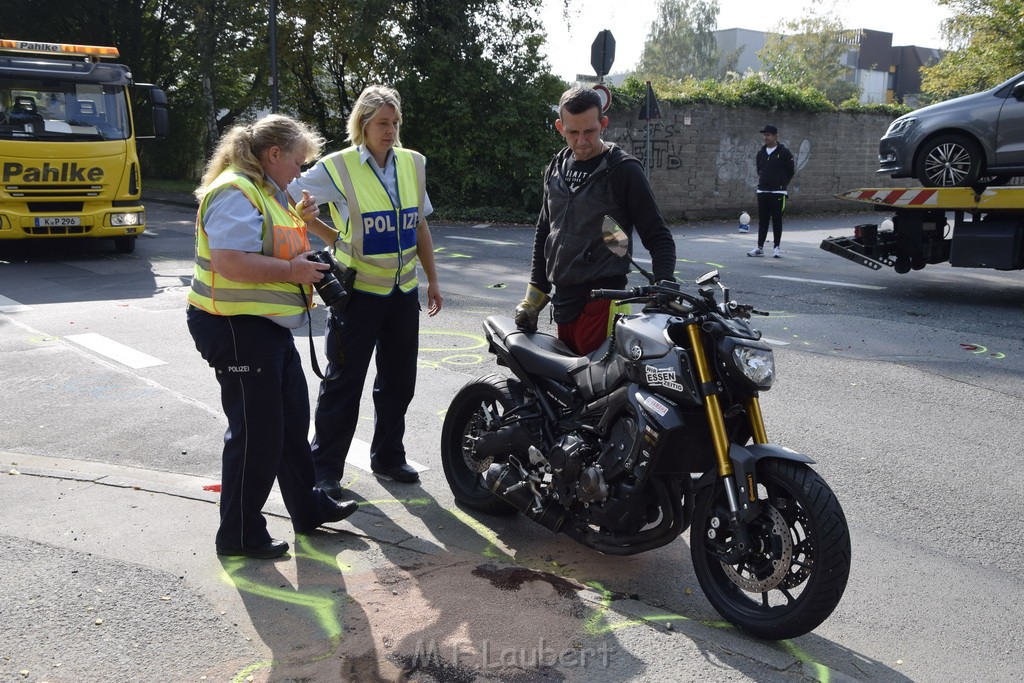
[574, 474]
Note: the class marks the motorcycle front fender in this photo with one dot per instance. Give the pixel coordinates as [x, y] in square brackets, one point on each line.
[744, 463]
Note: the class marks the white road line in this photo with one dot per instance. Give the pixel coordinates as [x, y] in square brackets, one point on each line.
[823, 282]
[12, 306]
[480, 239]
[359, 454]
[774, 342]
[115, 351]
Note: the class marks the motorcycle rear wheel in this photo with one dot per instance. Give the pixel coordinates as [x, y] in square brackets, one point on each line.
[798, 572]
[464, 420]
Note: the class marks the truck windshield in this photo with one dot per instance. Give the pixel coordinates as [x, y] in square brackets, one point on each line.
[62, 110]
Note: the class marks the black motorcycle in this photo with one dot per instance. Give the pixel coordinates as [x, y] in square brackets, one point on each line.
[658, 430]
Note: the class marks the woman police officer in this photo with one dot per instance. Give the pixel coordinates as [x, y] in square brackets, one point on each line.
[251, 287]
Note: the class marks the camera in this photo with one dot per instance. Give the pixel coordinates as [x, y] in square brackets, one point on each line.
[335, 288]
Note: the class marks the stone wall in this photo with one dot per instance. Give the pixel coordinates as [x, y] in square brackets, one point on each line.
[702, 156]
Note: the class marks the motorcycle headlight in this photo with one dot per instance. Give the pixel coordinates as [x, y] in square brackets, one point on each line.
[757, 365]
[751, 363]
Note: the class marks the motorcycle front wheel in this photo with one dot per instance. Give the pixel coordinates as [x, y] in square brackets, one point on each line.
[797, 572]
[475, 406]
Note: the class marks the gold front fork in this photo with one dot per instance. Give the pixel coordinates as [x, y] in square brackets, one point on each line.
[716, 421]
[756, 420]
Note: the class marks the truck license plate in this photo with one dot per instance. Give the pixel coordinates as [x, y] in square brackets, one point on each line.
[58, 221]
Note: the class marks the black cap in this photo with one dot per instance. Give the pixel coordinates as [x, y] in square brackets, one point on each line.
[769, 129]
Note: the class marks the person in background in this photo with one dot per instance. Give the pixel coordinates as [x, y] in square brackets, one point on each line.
[588, 179]
[251, 287]
[377, 195]
[775, 168]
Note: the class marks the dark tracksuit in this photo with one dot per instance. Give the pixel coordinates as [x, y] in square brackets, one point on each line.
[774, 172]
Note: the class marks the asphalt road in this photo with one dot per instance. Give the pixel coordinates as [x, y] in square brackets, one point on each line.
[905, 388]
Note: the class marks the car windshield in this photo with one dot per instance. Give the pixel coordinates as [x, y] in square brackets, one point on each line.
[62, 110]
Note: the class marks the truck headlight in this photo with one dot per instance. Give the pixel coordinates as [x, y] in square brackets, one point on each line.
[120, 220]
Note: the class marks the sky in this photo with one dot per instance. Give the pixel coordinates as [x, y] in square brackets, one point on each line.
[912, 22]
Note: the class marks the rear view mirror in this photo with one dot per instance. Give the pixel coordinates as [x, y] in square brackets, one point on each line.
[615, 238]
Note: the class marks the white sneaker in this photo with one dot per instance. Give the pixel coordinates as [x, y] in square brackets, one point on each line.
[744, 228]
[777, 253]
[756, 251]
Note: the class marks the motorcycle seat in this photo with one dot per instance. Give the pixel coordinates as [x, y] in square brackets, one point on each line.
[538, 352]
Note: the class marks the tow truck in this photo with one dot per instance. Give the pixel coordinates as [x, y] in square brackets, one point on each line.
[68, 161]
[986, 230]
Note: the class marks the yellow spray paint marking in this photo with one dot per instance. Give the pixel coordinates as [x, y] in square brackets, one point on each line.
[495, 548]
[478, 342]
[824, 674]
[458, 355]
[322, 608]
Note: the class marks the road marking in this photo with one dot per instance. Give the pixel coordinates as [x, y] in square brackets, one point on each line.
[823, 282]
[115, 351]
[12, 306]
[774, 342]
[359, 454]
[480, 239]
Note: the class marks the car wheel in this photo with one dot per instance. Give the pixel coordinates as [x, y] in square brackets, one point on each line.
[949, 161]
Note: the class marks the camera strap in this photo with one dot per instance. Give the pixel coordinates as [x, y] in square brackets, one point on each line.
[312, 347]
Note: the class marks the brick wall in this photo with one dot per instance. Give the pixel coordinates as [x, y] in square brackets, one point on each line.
[702, 156]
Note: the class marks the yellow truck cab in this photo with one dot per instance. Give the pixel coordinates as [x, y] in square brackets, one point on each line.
[68, 161]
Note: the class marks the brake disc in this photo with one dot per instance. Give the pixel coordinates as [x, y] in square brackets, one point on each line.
[765, 570]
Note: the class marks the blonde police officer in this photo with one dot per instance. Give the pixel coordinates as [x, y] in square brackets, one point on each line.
[251, 286]
[378, 201]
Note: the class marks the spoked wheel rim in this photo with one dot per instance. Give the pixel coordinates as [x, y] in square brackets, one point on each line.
[948, 165]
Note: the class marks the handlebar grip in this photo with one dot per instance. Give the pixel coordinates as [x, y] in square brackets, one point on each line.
[611, 293]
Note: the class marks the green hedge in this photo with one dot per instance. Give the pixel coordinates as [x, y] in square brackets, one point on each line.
[749, 91]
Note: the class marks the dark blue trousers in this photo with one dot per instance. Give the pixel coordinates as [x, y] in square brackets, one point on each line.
[770, 206]
[390, 325]
[266, 401]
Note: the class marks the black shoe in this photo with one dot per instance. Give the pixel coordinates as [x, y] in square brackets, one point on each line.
[342, 511]
[404, 473]
[332, 487]
[268, 551]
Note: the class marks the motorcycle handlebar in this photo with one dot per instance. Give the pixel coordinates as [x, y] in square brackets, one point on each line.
[611, 293]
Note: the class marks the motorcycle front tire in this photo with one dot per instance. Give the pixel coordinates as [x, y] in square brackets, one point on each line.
[797, 574]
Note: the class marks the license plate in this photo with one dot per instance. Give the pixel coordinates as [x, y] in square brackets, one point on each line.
[58, 221]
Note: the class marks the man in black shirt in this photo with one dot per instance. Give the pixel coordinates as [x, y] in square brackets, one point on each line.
[775, 168]
[584, 182]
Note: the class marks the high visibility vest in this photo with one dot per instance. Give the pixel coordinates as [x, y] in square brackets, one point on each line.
[379, 238]
[284, 237]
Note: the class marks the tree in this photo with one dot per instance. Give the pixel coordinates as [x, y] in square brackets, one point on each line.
[987, 40]
[479, 98]
[681, 42]
[810, 55]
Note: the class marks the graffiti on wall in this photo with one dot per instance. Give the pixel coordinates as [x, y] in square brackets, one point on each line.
[735, 162]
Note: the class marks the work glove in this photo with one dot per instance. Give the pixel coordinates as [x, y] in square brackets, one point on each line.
[529, 308]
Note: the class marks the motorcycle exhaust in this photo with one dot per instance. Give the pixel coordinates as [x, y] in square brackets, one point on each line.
[507, 484]
[511, 438]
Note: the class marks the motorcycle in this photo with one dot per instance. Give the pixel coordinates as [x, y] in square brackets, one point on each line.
[657, 431]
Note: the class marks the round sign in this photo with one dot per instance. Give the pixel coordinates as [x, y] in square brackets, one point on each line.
[606, 96]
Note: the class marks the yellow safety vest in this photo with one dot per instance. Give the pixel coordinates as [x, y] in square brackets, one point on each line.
[284, 237]
[379, 238]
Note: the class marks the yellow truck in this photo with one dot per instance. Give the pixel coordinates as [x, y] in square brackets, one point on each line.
[68, 161]
[970, 227]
